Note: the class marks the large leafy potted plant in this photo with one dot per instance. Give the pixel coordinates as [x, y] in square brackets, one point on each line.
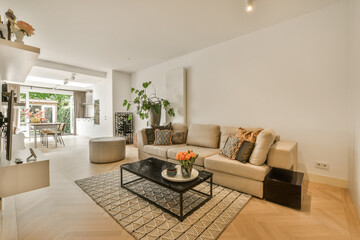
[149, 106]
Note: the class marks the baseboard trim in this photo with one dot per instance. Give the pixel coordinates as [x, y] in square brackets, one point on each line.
[337, 182]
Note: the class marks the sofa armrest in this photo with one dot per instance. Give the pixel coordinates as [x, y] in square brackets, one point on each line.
[142, 141]
[283, 154]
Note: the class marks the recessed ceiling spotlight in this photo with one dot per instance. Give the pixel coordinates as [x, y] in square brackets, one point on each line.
[250, 5]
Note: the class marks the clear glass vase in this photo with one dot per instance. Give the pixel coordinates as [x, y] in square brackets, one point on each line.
[186, 171]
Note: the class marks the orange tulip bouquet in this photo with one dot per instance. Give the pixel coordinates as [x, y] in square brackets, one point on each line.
[186, 160]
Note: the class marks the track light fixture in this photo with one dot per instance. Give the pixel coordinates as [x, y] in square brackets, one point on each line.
[66, 80]
[250, 5]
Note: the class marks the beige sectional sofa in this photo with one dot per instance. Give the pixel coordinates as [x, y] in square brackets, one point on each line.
[207, 140]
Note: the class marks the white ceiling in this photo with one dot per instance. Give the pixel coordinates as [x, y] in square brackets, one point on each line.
[129, 35]
[54, 79]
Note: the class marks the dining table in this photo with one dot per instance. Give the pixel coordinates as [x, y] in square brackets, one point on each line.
[38, 126]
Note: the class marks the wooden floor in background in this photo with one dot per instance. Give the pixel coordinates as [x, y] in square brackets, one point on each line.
[63, 211]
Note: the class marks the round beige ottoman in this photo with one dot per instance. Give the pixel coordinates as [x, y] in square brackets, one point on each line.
[107, 149]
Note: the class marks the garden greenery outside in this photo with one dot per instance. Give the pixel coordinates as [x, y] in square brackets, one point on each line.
[63, 106]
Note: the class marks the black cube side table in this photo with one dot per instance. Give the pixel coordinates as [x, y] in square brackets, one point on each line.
[284, 187]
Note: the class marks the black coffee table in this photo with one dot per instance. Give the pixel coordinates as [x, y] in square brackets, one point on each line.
[151, 168]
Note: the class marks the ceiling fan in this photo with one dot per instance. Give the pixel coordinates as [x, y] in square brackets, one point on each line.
[66, 80]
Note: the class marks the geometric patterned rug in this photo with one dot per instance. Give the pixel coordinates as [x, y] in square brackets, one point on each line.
[145, 221]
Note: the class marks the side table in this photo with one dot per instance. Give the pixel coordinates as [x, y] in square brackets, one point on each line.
[284, 187]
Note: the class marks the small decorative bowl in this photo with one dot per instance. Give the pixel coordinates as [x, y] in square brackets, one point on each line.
[171, 171]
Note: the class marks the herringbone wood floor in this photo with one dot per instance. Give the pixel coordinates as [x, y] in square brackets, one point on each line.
[63, 211]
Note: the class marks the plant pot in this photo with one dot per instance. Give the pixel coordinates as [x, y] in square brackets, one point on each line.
[186, 171]
[19, 37]
[155, 117]
[35, 120]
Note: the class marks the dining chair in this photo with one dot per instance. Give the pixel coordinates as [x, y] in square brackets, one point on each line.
[51, 132]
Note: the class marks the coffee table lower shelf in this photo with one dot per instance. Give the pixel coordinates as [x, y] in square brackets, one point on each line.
[181, 216]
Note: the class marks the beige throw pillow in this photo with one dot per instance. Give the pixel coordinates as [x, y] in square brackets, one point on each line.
[225, 132]
[262, 146]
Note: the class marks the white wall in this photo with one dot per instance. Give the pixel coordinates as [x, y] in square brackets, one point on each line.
[103, 91]
[354, 103]
[288, 77]
[121, 90]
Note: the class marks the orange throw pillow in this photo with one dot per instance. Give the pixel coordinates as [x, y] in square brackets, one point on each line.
[248, 135]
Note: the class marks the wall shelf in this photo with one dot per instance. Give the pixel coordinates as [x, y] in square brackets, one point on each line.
[17, 60]
[19, 105]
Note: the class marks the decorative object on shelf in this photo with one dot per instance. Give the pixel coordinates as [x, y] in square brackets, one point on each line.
[22, 29]
[149, 105]
[10, 23]
[124, 126]
[186, 160]
[35, 117]
[19, 36]
[19, 28]
[3, 29]
[26, 28]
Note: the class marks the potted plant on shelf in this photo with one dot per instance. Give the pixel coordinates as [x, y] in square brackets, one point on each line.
[23, 28]
[186, 160]
[149, 106]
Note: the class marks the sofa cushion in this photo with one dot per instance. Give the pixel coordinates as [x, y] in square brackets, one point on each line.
[178, 127]
[245, 170]
[262, 145]
[202, 135]
[231, 147]
[163, 137]
[248, 135]
[178, 138]
[245, 151]
[160, 151]
[150, 132]
[203, 153]
[225, 132]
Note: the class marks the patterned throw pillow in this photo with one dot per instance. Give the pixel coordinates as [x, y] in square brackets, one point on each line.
[150, 132]
[178, 138]
[163, 137]
[245, 151]
[231, 147]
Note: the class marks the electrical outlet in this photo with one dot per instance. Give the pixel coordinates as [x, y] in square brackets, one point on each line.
[325, 165]
[322, 165]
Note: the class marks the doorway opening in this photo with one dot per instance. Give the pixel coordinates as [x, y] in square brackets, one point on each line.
[53, 106]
